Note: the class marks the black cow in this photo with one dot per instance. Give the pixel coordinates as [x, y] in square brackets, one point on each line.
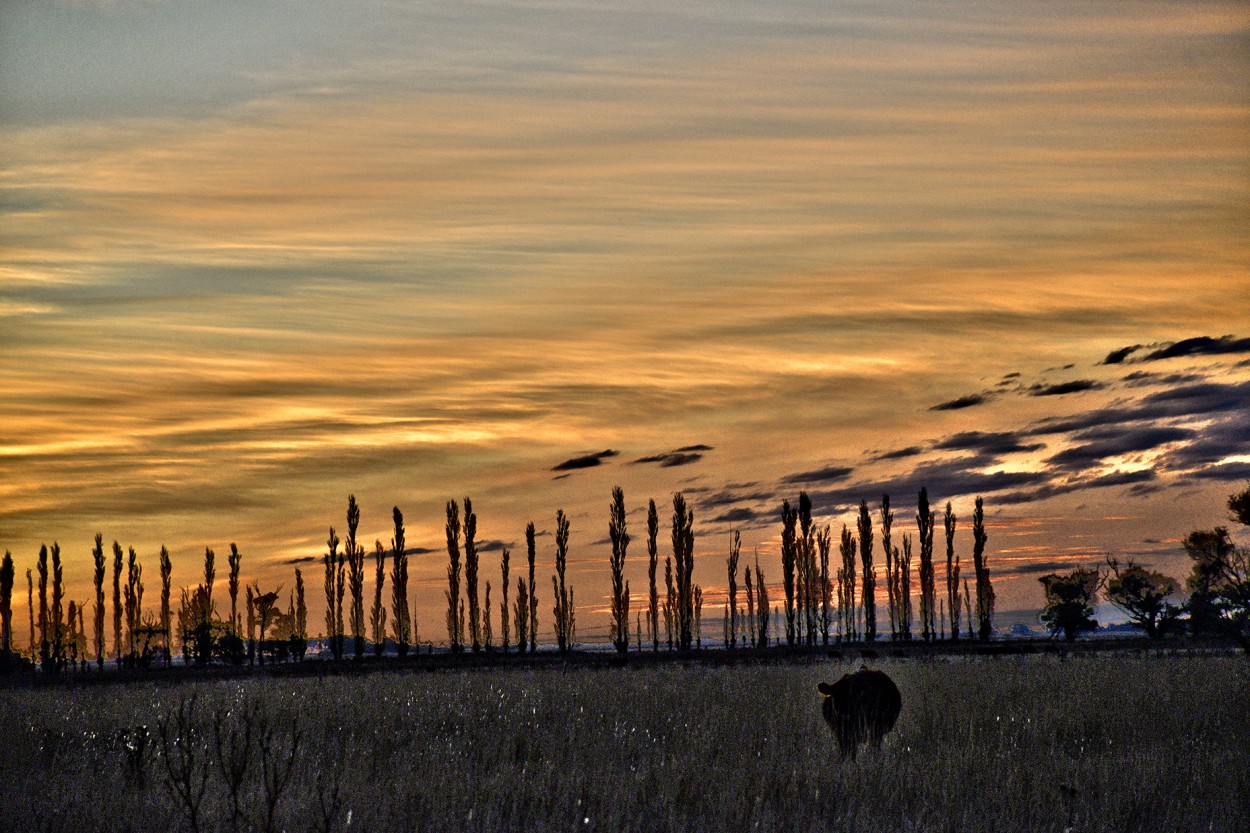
[861, 708]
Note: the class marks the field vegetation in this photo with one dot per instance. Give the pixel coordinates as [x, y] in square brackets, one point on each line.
[1126, 742]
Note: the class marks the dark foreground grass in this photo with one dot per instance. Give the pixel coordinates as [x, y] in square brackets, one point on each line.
[1106, 743]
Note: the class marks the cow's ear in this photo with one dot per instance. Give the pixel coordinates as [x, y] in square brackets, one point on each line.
[825, 689]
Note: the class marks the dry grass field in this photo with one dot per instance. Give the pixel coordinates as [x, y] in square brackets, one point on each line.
[1029, 743]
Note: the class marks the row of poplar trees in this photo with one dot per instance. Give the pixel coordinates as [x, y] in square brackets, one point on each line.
[811, 584]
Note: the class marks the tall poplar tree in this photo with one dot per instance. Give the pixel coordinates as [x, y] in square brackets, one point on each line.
[731, 568]
[333, 578]
[470, 575]
[563, 610]
[377, 616]
[455, 608]
[6, 603]
[620, 588]
[985, 590]
[683, 557]
[234, 560]
[117, 600]
[788, 558]
[505, 635]
[400, 615]
[533, 589]
[653, 606]
[868, 583]
[952, 571]
[167, 569]
[928, 589]
[97, 554]
[355, 554]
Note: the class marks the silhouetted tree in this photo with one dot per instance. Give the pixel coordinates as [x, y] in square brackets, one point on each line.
[761, 604]
[251, 625]
[565, 615]
[355, 554]
[928, 585]
[893, 579]
[683, 558]
[670, 601]
[521, 616]
[167, 569]
[301, 616]
[57, 613]
[1070, 601]
[265, 603]
[952, 570]
[505, 637]
[30, 607]
[455, 608]
[809, 572]
[698, 616]
[905, 584]
[789, 556]
[752, 639]
[41, 566]
[1220, 581]
[530, 549]
[117, 600]
[487, 635]
[333, 563]
[620, 588]
[97, 554]
[731, 567]
[653, 607]
[234, 560]
[377, 616]
[846, 585]
[985, 590]
[6, 602]
[1143, 595]
[470, 575]
[868, 584]
[400, 615]
[824, 543]
[134, 603]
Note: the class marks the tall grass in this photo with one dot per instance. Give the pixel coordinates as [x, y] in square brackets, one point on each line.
[1017, 743]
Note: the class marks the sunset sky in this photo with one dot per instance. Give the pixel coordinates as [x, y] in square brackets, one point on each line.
[256, 256]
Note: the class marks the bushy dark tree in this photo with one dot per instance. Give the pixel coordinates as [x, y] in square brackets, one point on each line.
[620, 587]
[1220, 581]
[1070, 601]
[41, 567]
[1143, 595]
